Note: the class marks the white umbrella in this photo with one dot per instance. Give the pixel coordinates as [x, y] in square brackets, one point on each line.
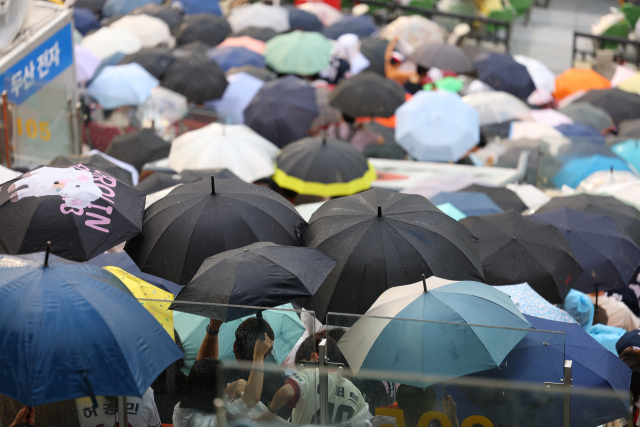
[328, 15]
[542, 76]
[628, 192]
[497, 107]
[238, 94]
[605, 178]
[530, 195]
[151, 31]
[217, 146]
[550, 117]
[622, 73]
[163, 107]
[532, 130]
[7, 174]
[259, 15]
[413, 31]
[107, 41]
[126, 166]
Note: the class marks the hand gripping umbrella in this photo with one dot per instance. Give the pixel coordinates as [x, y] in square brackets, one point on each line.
[199, 220]
[516, 249]
[262, 274]
[81, 209]
[367, 95]
[383, 239]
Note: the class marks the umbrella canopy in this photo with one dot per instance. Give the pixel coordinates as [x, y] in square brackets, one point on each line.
[302, 20]
[81, 210]
[199, 220]
[367, 95]
[105, 165]
[361, 26]
[437, 126]
[123, 7]
[550, 117]
[453, 349]
[151, 31]
[199, 80]
[258, 33]
[108, 41]
[247, 42]
[7, 174]
[619, 104]
[437, 184]
[630, 339]
[260, 73]
[242, 88]
[154, 60]
[162, 180]
[261, 16]
[532, 130]
[576, 79]
[589, 115]
[542, 76]
[605, 178]
[323, 167]
[56, 317]
[579, 130]
[452, 211]
[138, 148]
[162, 108]
[327, 14]
[383, 239]
[444, 57]
[194, 49]
[632, 84]
[374, 49]
[629, 151]
[85, 20]
[283, 110]
[503, 197]
[497, 107]
[503, 73]
[191, 7]
[299, 52]
[469, 203]
[230, 57]
[119, 85]
[110, 60]
[168, 14]
[203, 27]
[530, 302]
[259, 275]
[235, 147]
[629, 129]
[579, 168]
[531, 195]
[539, 358]
[516, 249]
[93, 5]
[413, 31]
[608, 255]
[86, 63]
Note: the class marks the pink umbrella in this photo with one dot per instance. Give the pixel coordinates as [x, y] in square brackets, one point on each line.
[86, 63]
[550, 117]
[247, 42]
[449, 183]
[327, 14]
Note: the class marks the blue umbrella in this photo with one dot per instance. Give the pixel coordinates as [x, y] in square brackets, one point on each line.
[630, 339]
[608, 256]
[629, 151]
[470, 203]
[452, 211]
[503, 73]
[392, 336]
[539, 358]
[530, 302]
[362, 26]
[109, 60]
[123, 7]
[192, 7]
[579, 129]
[302, 20]
[85, 20]
[575, 170]
[67, 332]
[229, 57]
[241, 90]
[119, 85]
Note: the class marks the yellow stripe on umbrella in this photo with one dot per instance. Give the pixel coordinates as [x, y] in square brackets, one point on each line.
[144, 290]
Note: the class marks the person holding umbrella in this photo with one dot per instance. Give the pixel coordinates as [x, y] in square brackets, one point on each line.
[392, 62]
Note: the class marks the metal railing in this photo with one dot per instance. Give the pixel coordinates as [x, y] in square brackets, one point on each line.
[599, 41]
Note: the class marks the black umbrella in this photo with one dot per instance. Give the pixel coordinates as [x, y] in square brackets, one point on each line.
[367, 95]
[159, 181]
[155, 60]
[361, 26]
[82, 210]
[195, 49]
[627, 217]
[374, 49]
[503, 73]
[261, 73]
[171, 16]
[205, 27]
[383, 239]
[198, 79]
[619, 104]
[199, 174]
[607, 254]
[444, 57]
[112, 169]
[587, 114]
[283, 110]
[138, 148]
[629, 129]
[503, 197]
[258, 33]
[194, 222]
[302, 20]
[517, 249]
[259, 275]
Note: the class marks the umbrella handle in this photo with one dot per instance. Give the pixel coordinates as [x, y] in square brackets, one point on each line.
[46, 254]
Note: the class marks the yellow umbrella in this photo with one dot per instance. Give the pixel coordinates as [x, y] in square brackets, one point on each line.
[632, 84]
[144, 290]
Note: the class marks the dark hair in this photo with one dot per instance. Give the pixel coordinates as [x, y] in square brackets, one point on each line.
[247, 334]
[200, 388]
[310, 346]
[415, 401]
[631, 357]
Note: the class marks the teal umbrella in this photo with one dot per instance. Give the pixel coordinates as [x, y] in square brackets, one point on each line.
[286, 325]
[452, 211]
[304, 53]
[629, 151]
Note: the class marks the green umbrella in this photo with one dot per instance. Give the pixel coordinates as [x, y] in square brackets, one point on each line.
[300, 52]
[449, 83]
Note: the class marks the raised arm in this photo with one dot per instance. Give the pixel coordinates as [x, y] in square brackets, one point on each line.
[209, 346]
[390, 71]
[253, 389]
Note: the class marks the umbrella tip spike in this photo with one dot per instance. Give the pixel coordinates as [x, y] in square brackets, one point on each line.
[379, 211]
[46, 254]
[611, 170]
[213, 186]
[424, 284]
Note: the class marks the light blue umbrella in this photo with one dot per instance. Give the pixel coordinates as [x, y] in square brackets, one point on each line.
[437, 126]
[117, 7]
[530, 302]
[629, 151]
[238, 94]
[470, 203]
[452, 211]
[286, 325]
[119, 85]
[442, 337]
[576, 170]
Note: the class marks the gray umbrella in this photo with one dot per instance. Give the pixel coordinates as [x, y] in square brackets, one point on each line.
[373, 50]
[629, 129]
[443, 56]
[589, 115]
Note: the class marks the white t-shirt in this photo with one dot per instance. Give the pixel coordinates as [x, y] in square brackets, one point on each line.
[142, 412]
[345, 400]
